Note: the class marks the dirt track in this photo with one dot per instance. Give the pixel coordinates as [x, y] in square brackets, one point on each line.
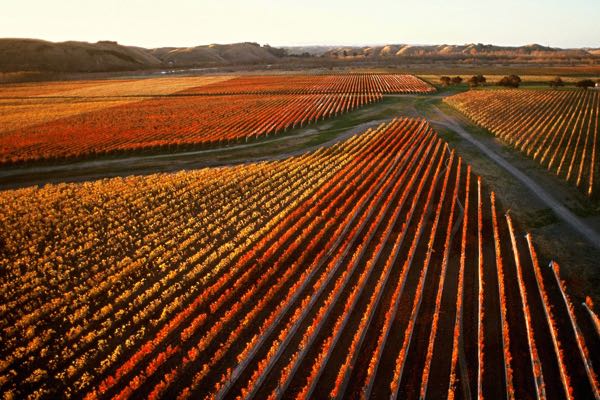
[146, 164]
[561, 211]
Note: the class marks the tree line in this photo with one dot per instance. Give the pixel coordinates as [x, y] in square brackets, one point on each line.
[513, 81]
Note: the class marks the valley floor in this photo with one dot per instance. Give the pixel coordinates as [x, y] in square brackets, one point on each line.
[543, 204]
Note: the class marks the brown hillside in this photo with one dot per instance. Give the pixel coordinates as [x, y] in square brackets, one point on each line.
[238, 53]
[40, 55]
[468, 50]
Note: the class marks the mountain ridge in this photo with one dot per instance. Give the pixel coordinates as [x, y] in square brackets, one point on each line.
[18, 55]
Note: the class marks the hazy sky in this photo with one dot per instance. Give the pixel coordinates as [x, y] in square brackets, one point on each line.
[152, 23]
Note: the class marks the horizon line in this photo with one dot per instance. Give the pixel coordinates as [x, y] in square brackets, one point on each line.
[377, 44]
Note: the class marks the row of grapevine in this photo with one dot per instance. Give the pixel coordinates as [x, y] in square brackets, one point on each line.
[26, 104]
[267, 325]
[366, 269]
[335, 264]
[108, 87]
[191, 268]
[558, 129]
[343, 376]
[313, 84]
[172, 123]
[90, 197]
[371, 263]
[583, 349]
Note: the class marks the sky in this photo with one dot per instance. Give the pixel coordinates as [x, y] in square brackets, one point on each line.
[182, 23]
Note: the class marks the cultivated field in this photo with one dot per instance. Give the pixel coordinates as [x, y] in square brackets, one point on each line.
[61, 122]
[113, 87]
[27, 105]
[172, 123]
[559, 129]
[378, 267]
[305, 84]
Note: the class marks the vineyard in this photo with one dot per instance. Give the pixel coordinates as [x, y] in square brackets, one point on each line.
[107, 88]
[558, 129]
[172, 123]
[378, 267]
[315, 84]
[73, 120]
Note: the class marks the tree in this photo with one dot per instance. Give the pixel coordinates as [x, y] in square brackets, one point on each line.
[510, 81]
[556, 82]
[476, 80]
[516, 80]
[457, 80]
[585, 83]
[473, 81]
[446, 80]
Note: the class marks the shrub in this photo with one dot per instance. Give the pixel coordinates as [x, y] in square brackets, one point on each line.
[585, 83]
[510, 81]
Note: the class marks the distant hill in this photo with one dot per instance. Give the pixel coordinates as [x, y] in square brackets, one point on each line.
[239, 53]
[40, 55]
[467, 50]
[25, 55]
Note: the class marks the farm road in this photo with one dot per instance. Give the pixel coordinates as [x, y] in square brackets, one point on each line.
[147, 164]
[560, 210]
[259, 151]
